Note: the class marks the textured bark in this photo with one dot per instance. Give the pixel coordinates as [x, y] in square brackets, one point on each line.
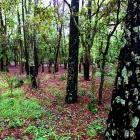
[123, 120]
[71, 96]
[3, 46]
[87, 63]
[32, 74]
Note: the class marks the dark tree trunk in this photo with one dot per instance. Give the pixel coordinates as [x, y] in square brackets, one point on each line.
[35, 47]
[71, 96]
[103, 72]
[65, 64]
[57, 50]
[15, 59]
[1, 61]
[7, 64]
[86, 69]
[124, 117]
[49, 67]
[100, 52]
[42, 63]
[32, 74]
[20, 45]
[80, 67]
[3, 50]
[25, 44]
[87, 63]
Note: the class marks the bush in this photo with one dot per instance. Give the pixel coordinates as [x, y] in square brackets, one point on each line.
[63, 77]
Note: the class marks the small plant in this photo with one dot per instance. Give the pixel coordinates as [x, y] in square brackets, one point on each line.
[92, 106]
[16, 122]
[19, 81]
[47, 77]
[89, 94]
[91, 131]
[10, 81]
[85, 106]
[31, 129]
[81, 93]
[60, 107]
[98, 125]
[63, 77]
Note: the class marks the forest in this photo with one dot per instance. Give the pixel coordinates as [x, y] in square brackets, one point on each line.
[69, 69]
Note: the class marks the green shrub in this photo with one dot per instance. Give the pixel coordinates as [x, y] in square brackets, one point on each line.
[98, 74]
[81, 93]
[63, 77]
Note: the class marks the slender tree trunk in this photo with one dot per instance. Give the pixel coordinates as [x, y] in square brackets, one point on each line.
[71, 96]
[87, 63]
[35, 47]
[105, 54]
[2, 61]
[42, 63]
[93, 91]
[100, 52]
[25, 44]
[20, 45]
[103, 71]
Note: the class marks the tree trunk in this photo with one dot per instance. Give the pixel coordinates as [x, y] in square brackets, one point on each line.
[35, 47]
[42, 63]
[65, 64]
[87, 63]
[80, 67]
[92, 107]
[71, 96]
[124, 117]
[32, 74]
[49, 67]
[20, 45]
[1, 61]
[86, 69]
[25, 44]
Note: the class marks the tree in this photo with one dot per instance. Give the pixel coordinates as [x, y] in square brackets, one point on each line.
[87, 63]
[20, 44]
[35, 46]
[123, 121]
[71, 96]
[25, 41]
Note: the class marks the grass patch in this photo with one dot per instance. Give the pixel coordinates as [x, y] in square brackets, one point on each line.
[17, 107]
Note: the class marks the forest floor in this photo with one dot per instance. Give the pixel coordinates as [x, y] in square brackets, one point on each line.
[42, 113]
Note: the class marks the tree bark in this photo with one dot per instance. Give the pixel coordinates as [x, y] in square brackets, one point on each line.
[32, 74]
[20, 44]
[25, 41]
[124, 117]
[35, 46]
[87, 63]
[71, 96]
